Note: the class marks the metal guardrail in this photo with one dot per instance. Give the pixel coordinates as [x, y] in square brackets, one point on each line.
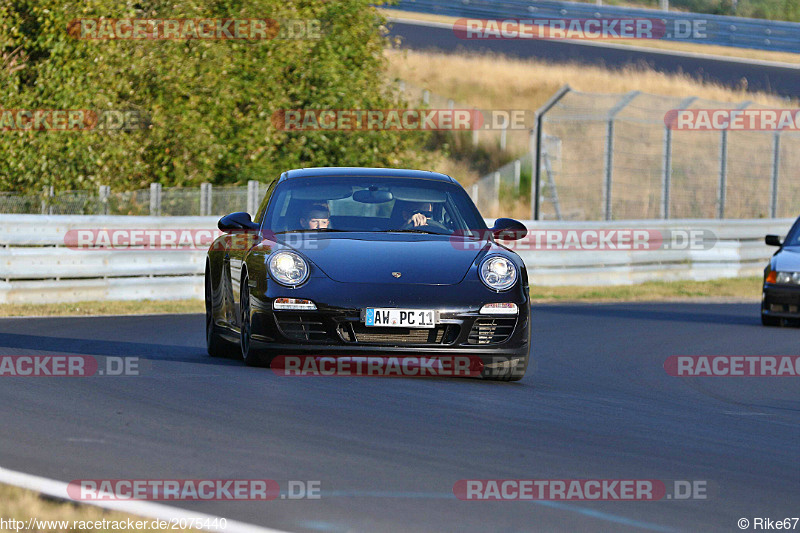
[720, 30]
[36, 267]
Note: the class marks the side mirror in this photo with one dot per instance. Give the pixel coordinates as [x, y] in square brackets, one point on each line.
[773, 240]
[236, 222]
[508, 229]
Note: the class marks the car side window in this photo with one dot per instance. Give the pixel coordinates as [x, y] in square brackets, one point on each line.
[263, 207]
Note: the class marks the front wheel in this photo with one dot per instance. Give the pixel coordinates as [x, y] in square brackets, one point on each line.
[249, 354]
[216, 346]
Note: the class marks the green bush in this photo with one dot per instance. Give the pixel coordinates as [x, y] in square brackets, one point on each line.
[209, 102]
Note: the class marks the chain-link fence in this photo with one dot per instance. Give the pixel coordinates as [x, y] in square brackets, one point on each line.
[156, 200]
[619, 159]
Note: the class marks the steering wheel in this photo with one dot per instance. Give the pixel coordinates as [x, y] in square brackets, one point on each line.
[431, 224]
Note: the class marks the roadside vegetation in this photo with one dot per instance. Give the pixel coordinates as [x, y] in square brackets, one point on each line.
[23, 505]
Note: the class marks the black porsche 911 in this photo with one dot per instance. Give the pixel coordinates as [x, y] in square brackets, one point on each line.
[780, 298]
[363, 261]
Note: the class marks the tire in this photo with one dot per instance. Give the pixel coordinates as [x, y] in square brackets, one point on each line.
[771, 321]
[249, 355]
[215, 344]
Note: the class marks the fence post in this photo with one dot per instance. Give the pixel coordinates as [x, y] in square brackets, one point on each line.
[205, 199]
[474, 129]
[426, 96]
[723, 169]
[517, 175]
[155, 199]
[252, 197]
[503, 134]
[666, 169]
[104, 193]
[536, 149]
[609, 155]
[402, 86]
[776, 161]
[475, 193]
[451, 104]
[666, 172]
[496, 187]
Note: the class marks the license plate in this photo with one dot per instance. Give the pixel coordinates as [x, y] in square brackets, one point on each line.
[400, 318]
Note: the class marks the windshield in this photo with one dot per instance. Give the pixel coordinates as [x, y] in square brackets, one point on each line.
[792, 239]
[371, 204]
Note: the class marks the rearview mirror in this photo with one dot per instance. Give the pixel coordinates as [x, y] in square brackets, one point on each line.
[508, 229]
[773, 240]
[236, 221]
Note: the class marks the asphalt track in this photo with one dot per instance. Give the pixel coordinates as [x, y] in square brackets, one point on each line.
[778, 78]
[388, 451]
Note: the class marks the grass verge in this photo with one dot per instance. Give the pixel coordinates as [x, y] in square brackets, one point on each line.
[720, 289]
[23, 505]
[748, 289]
[103, 308]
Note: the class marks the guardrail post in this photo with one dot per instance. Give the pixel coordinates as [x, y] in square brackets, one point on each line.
[205, 199]
[536, 150]
[609, 155]
[776, 162]
[103, 193]
[252, 197]
[155, 199]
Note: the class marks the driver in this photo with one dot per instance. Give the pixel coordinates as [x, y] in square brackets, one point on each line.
[317, 217]
[417, 213]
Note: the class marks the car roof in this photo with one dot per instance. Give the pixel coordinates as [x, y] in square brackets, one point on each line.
[364, 172]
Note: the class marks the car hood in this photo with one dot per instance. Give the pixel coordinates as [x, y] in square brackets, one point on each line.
[374, 257]
[787, 260]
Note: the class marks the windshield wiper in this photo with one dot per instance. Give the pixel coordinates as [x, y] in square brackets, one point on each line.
[413, 231]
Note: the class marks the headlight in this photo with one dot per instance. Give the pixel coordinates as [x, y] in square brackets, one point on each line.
[288, 268]
[788, 278]
[498, 273]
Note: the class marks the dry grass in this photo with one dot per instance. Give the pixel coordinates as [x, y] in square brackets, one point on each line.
[696, 48]
[21, 504]
[103, 308]
[739, 289]
[498, 82]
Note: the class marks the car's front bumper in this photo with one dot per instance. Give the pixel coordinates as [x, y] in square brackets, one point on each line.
[781, 301]
[337, 327]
